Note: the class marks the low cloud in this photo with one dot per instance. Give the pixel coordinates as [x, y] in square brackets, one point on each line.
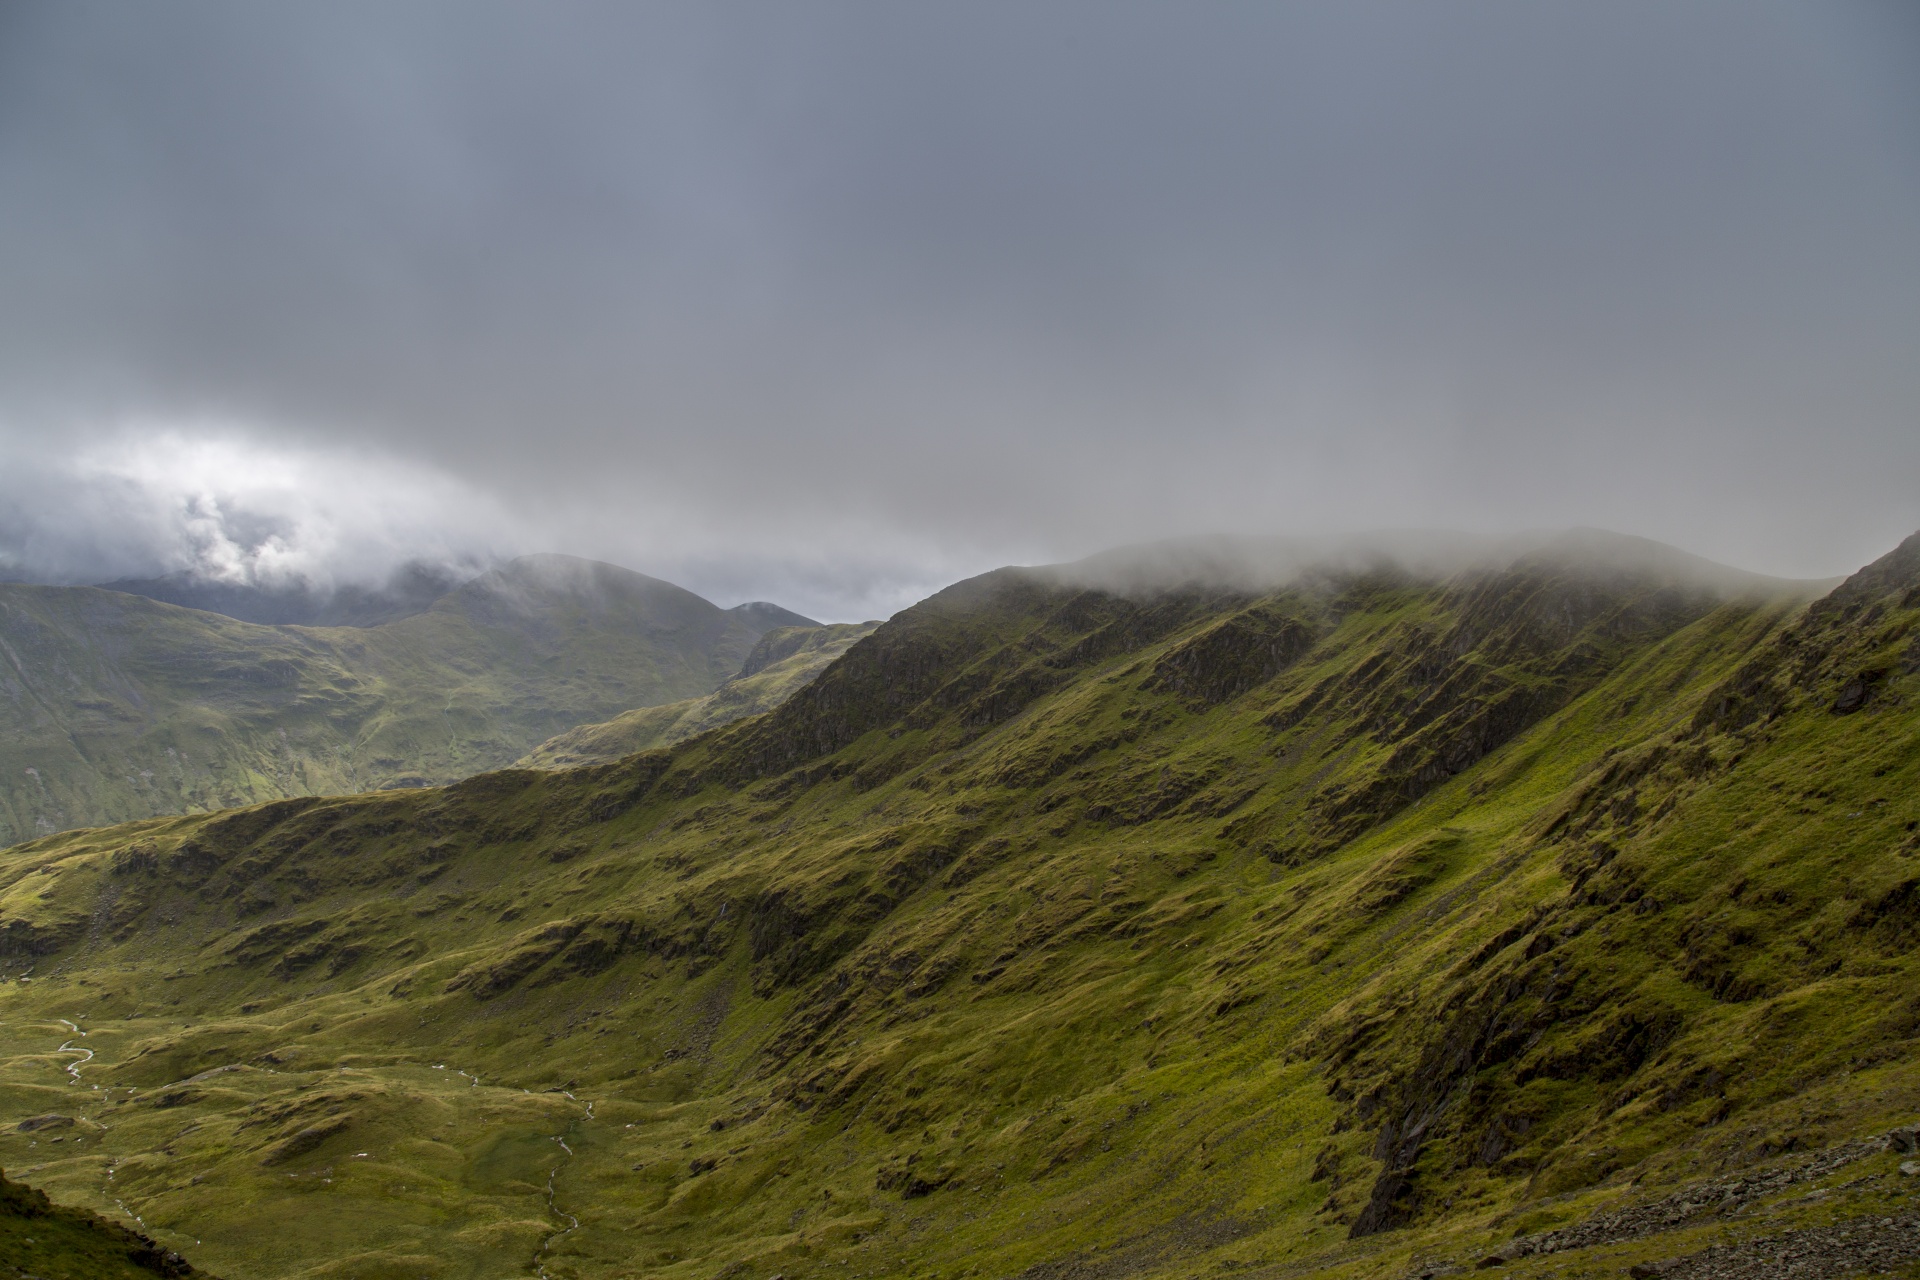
[147, 500]
[223, 504]
[832, 305]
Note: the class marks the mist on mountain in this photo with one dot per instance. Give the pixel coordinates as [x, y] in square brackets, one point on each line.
[410, 589]
[1256, 565]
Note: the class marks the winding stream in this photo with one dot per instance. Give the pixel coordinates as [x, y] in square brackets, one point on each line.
[73, 1068]
[553, 1174]
[553, 1207]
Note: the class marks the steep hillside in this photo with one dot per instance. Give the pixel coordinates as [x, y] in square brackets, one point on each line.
[781, 664]
[55, 1242]
[1559, 915]
[113, 706]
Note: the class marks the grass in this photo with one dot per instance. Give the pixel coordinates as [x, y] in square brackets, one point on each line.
[1032, 934]
[122, 707]
[782, 663]
[57, 1242]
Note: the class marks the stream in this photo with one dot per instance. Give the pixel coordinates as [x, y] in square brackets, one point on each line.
[553, 1174]
[553, 1207]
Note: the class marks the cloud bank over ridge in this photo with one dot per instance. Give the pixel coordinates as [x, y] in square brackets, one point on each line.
[831, 304]
[220, 506]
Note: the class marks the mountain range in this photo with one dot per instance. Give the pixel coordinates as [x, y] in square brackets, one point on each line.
[412, 588]
[1230, 908]
[116, 706]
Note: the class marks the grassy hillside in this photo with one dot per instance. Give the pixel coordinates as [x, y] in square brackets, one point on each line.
[1559, 916]
[113, 706]
[782, 663]
[57, 1242]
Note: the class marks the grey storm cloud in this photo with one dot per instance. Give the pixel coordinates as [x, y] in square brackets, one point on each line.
[831, 303]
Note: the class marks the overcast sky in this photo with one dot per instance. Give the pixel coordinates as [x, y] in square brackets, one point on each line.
[834, 303]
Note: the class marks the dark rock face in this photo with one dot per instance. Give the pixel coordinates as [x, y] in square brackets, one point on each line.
[1437, 1100]
[1834, 647]
[1856, 692]
[772, 647]
[1233, 656]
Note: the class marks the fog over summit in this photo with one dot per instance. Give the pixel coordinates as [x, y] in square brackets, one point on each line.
[834, 304]
[1256, 565]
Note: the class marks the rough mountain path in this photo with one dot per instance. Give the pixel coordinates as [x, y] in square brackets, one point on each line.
[1721, 1198]
[1859, 1246]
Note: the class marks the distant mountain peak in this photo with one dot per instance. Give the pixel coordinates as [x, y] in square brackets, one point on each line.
[534, 584]
[765, 615]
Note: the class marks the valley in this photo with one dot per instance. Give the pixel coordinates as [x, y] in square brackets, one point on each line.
[1556, 915]
[115, 706]
[782, 662]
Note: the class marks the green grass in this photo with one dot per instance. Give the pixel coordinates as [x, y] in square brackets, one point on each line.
[782, 663]
[120, 707]
[1308, 934]
[57, 1242]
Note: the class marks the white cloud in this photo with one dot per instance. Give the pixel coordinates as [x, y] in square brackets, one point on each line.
[247, 506]
[214, 501]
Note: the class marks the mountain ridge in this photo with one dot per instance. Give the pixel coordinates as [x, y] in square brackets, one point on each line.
[410, 589]
[1367, 927]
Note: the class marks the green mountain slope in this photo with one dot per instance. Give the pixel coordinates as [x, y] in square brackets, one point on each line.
[56, 1242]
[1561, 913]
[113, 706]
[782, 663]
